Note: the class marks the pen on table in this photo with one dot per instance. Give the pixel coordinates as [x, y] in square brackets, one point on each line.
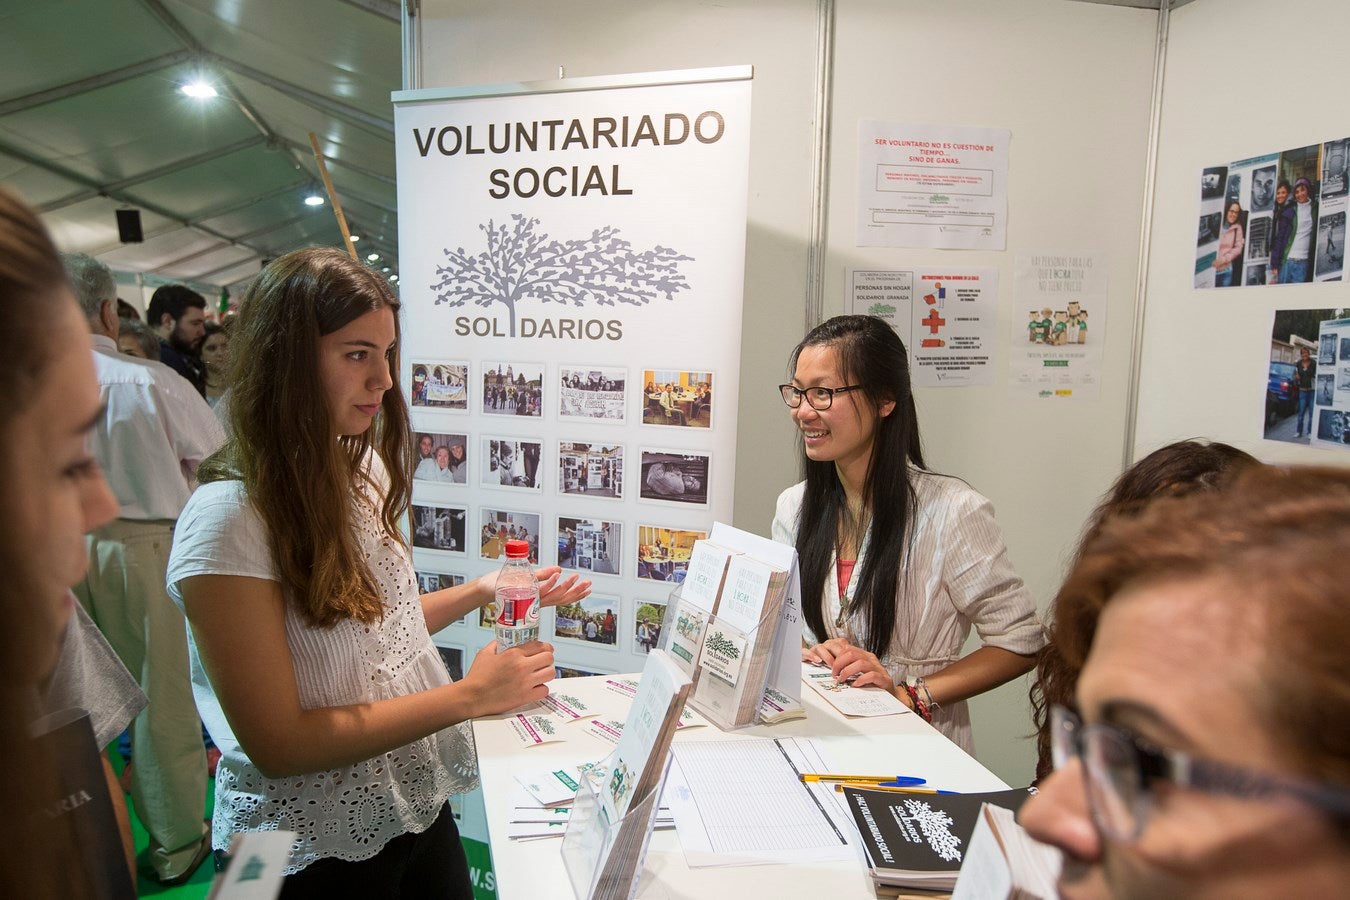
[890, 780]
[873, 786]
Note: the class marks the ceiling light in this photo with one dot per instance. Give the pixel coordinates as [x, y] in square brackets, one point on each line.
[385, 269]
[313, 198]
[372, 257]
[393, 278]
[198, 90]
[354, 237]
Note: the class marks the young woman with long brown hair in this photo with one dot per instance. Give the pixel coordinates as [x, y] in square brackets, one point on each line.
[51, 494]
[313, 664]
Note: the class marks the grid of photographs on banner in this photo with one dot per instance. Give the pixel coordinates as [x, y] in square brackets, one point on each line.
[1274, 219]
[536, 460]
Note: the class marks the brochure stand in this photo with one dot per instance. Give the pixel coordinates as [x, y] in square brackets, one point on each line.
[734, 669]
[604, 859]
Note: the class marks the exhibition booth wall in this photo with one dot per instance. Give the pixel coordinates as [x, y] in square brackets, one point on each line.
[1114, 112]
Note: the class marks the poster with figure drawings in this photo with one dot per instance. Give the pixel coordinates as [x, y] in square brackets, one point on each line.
[1058, 326]
[561, 245]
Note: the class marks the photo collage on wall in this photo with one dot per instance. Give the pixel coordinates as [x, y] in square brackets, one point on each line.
[477, 488]
[1308, 382]
[1274, 219]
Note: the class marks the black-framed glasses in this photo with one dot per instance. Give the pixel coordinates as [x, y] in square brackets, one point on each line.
[1119, 769]
[818, 398]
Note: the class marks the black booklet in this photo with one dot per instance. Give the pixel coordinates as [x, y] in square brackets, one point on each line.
[82, 801]
[919, 840]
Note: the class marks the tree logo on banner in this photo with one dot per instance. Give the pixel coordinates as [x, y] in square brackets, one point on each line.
[523, 263]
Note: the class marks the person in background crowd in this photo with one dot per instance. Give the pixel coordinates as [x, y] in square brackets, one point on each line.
[178, 315]
[1306, 372]
[134, 339]
[1230, 245]
[152, 433]
[1208, 753]
[51, 493]
[126, 311]
[312, 655]
[1185, 467]
[214, 356]
[897, 562]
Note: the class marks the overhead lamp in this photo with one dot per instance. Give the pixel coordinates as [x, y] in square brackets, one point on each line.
[385, 269]
[354, 237]
[314, 198]
[372, 257]
[393, 277]
[198, 89]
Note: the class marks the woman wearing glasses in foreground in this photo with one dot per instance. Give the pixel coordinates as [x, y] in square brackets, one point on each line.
[1209, 755]
[897, 562]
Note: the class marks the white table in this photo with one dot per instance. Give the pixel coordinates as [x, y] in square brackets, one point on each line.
[533, 870]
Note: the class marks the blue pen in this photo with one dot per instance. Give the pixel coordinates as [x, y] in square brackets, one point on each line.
[883, 780]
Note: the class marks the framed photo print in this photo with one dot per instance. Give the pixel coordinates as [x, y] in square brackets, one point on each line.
[592, 394]
[438, 527]
[677, 398]
[590, 470]
[500, 526]
[663, 553]
[674, 476]
[590, 546]
[440, 385]
[513, 389]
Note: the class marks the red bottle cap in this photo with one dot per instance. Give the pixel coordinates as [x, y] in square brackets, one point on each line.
[517, 549]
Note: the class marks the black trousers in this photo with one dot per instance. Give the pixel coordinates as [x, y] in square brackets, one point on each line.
[430, 864]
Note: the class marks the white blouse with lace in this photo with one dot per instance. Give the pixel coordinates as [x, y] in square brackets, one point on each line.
[348, 813]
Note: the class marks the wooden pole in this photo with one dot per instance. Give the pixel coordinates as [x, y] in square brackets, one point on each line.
[332, 196]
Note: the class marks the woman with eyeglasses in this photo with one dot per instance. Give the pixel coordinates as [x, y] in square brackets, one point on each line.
[1209, 754]
[897, 562]
[1175, 470]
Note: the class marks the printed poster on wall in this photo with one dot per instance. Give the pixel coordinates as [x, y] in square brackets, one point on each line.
[1308, 380]
[932, 186]
[1278, 218]
[946, 318]
[572, 262]
[1058, 326]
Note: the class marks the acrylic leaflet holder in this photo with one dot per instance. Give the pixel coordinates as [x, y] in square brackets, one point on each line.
[604, 859]
[733, 670]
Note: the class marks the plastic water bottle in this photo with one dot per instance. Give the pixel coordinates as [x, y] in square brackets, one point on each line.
[517, 598]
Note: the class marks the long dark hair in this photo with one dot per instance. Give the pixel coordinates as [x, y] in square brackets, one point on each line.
[299, 474]
[34, 297]
[1176, 470]
[870, 354]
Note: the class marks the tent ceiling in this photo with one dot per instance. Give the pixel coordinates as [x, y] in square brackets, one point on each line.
[92, 120]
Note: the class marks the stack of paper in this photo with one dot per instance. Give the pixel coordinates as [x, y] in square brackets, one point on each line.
[739, 642]
[1005, 862]
[696, 603]
[609, 844]
[777, 707]
[919, 840]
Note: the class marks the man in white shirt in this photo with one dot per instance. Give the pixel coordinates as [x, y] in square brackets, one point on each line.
[154, 431]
